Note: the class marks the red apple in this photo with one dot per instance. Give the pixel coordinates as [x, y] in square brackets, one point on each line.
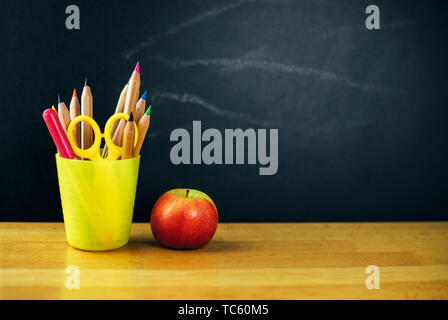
[184, 219]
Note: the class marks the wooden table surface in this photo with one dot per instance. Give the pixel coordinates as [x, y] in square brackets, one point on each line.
[243, 261]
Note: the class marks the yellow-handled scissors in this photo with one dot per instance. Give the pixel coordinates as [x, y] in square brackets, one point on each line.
[94, 153]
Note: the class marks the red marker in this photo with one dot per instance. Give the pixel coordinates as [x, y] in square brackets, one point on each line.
[58, 134]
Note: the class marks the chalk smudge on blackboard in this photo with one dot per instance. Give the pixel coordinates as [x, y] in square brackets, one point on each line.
[331, 128]
[216, 11]
[186, 97]
[232, 65]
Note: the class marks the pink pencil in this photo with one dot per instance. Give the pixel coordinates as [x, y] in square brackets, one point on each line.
[58, 134]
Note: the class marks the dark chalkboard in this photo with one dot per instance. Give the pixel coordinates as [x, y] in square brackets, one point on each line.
[361, 114]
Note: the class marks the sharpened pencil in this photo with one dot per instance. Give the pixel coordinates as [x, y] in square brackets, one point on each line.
[128, 138]
[75, 110]
[86, 109]
[63, 114]
[118, 109]
[142, 127]
[140, 108]
[133, 90]
[129, 106]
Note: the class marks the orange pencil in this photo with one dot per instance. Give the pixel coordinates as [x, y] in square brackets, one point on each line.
[64, 115]
[75, 110]
[129, 106]
[128, 138]
[142, 127]
[86, 109]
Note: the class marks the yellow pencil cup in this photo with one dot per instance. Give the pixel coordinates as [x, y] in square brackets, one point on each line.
[97, 201]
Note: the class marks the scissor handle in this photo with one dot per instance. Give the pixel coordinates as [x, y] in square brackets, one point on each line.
[92, 153]
[113, 151]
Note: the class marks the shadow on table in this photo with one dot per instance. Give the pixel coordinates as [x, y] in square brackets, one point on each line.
[212, 246]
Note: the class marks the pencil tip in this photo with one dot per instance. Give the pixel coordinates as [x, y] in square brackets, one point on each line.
[74, 94]
[144, 95]
[148, 112]
[137, 67]
[59, 99]
[85, 82]
[131, 117]
[52, 107]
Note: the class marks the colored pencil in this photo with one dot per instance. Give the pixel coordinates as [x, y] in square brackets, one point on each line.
[58, 134]
[133, 90]
[64, 115]
[140, 108]
[128, 138]
[86, 109]
[75, 110]
[119, 108]
[142, 127]
[129, 106]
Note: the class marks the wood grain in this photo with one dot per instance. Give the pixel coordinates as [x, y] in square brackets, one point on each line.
[139, 109]
[143, 126]
[129, 106]
[86, 109]
[128, 139]
[118, 109]
[64, 115]
[75, 110]
[243, 261]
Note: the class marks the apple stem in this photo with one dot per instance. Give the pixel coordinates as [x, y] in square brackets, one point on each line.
[187, 193]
